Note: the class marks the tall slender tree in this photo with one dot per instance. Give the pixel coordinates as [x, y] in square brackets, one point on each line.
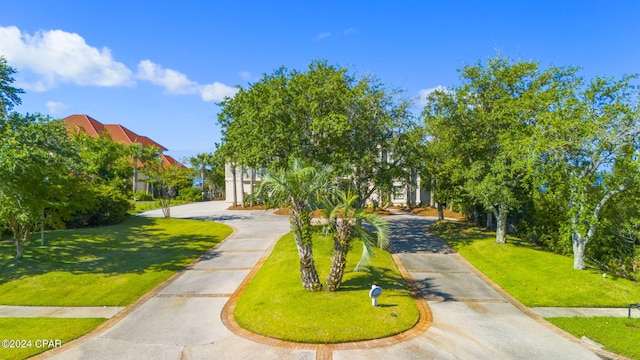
[202, 162]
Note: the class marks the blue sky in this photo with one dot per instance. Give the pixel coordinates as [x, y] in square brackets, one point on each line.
[159, 67]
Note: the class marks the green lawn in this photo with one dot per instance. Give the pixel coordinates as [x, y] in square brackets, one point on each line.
[620, 335]
[105, 266]
[540, 278]
[276, 305]
[533, 276]
[32, 332]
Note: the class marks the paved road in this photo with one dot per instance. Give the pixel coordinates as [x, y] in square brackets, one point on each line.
[471, 319]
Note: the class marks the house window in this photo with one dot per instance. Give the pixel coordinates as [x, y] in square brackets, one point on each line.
[398, 192]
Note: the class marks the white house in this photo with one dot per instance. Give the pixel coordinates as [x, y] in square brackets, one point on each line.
[401, 191]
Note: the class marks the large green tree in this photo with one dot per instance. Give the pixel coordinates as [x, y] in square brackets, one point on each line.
[324, 115]
[37, 159]
[300, 189]
[588, 152]
[486, 125]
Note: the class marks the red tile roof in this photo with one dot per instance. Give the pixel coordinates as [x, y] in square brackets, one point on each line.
[170, 161]
[85, 124]
[92, 127]
[121, 134]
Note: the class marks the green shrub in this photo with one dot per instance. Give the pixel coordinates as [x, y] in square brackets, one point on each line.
[142, 196]
[102, 205]
[189, 194]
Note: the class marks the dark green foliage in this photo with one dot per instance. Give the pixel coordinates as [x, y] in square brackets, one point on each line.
[9, 95]
[103, 205]
[189, 194]
[142, 196]
[323, 115]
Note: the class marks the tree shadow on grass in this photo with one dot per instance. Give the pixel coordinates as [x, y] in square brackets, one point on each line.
[384, 277]
[137, 245]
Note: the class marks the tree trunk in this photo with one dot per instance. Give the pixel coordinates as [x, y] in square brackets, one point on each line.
[203, 171]
[432, 197]
[501, 230]
[579, 246]
[339, 254]
[440, 211]
[19, 248]
[242, 185]
[489, 224]
[235, 190]
[252, 184]
[301, 227]
[338, 264]
[135, 175]
[42, 229]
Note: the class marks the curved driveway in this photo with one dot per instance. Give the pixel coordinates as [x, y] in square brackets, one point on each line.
[182, 319]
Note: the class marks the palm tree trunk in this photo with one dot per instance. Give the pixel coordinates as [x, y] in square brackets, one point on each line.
[134, 181]
[338, 264]
[339, 254]
[301, 227]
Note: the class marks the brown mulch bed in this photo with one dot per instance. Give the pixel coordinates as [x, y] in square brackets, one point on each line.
[255, 207]
[429, 211]
[426, 211]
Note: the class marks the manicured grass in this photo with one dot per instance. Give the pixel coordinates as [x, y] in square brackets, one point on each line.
[140, 206]
[32, 331]
[276, 305]
[619, 335]
[533, 276]
[106, 266]
[540, 278]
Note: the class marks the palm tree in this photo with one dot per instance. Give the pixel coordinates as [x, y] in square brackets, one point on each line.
[136, 151]
[299, 188]
[202, 162]
[344, 223]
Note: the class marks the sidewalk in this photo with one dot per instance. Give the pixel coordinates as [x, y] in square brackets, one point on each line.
[186, 318]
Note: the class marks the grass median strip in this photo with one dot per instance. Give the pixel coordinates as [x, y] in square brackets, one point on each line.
[275, 304]
[105, 266]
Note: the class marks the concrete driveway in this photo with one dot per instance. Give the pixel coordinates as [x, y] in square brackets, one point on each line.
[182, 319]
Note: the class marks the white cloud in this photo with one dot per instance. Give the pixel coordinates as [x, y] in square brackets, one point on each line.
[216, 91]
[56, 57]
[175, 82]
[245, 75]
[323, 35]
[56, 107]
[48, 58]
[422, 94]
